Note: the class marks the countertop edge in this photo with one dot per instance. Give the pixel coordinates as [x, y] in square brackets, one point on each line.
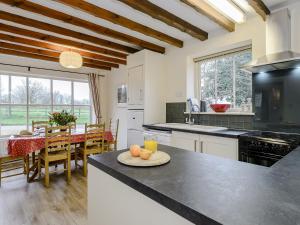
[215, 133]
[177, 207]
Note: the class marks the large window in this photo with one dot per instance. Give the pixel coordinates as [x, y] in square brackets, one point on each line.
[23, 99]
[221, 79]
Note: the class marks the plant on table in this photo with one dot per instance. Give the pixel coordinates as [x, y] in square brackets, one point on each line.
[62, 118]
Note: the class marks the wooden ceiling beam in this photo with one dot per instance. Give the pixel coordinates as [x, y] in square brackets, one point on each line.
[260, 8]
[120, 20]
[53, 14]
[207, 10]
[57, 40]
[70, 33]
[163, 15]
[52, 54]
[43, 57]
[59, 48]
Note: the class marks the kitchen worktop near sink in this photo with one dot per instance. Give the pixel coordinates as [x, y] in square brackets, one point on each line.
[198, 129]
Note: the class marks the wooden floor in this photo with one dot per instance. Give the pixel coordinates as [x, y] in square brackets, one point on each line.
[33, 204]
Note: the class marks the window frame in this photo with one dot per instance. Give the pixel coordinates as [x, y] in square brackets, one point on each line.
[197, 63]
[51, 105]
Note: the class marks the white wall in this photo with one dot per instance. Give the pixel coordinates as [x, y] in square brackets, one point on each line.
[116, 79]
[8, 59]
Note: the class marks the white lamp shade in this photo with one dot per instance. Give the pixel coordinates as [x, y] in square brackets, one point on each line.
[70, 60]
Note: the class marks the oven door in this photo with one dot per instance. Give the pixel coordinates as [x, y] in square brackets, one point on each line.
[259, 158]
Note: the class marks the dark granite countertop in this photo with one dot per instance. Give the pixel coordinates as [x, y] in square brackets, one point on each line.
[207, 189]
[230, 133]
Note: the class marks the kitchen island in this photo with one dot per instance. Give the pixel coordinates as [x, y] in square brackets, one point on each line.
[194, 188]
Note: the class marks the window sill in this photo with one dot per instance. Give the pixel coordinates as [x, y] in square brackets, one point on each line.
[223, 114]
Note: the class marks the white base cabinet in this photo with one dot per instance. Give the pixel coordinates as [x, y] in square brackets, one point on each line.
[186, 141]
[219, 146]
[209, 144]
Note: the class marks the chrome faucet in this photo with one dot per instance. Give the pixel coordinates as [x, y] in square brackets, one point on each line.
[190, 120]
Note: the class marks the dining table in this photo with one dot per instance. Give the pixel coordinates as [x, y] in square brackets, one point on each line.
[30, 145]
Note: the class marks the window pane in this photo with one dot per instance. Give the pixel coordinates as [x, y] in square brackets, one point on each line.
[39, 91]
[39, 113]
[13, 119]
[222, 79]
[83, 114]
[208, 73]
[18, 90]
[225, 79]
[58, 108]
[81, 93]
[4, 89]
[62, 92]
[243, 79]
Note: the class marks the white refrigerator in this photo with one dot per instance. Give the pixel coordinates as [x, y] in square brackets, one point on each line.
[135, 120]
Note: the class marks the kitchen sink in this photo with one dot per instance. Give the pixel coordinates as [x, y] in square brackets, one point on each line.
[191, 127]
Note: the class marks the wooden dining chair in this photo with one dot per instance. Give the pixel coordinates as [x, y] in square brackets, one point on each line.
[57, 151]
[93, 144]
[11, 166]
[115, 131]
[38, 125]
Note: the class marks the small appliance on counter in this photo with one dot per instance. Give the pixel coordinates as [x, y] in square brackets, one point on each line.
[193, 105]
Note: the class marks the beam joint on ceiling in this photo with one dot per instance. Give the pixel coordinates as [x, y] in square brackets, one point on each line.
[210, 12]
[260, 8]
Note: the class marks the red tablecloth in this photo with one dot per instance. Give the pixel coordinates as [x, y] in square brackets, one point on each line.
[22, 146]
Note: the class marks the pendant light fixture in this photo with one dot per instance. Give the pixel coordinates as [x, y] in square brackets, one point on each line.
[70, 60]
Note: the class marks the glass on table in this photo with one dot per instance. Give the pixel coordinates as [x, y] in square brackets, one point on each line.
[150, 142]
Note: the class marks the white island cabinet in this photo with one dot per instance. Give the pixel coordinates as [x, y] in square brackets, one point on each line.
[111, 202]
[209, 144]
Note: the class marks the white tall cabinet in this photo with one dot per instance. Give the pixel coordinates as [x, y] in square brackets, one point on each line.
[136, 86]
[146, 85]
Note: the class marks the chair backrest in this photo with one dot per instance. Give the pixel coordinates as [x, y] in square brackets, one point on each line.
[72, 125]
[57, 139]
[39, 124]
[94, 134]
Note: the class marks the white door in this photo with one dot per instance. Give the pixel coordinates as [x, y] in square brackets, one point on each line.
[219, 146]
[136, 86]
[186, 141]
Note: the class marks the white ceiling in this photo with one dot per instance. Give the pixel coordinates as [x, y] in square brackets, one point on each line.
[174, 6]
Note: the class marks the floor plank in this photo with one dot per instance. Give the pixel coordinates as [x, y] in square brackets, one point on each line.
[23, 203]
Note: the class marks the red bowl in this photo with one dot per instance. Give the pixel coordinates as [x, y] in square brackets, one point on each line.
[220, 107]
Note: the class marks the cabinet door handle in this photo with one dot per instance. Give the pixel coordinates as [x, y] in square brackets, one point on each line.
[195, 145]
[141, 94]
[201, 146]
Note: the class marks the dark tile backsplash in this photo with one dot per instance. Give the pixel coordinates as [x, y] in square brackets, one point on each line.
[175, 114]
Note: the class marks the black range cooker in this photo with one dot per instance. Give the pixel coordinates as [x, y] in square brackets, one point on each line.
[266, 148]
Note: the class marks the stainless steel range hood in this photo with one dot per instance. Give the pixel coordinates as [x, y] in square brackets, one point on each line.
[278, 45]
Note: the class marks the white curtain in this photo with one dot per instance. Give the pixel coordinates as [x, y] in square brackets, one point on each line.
[95, 85]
